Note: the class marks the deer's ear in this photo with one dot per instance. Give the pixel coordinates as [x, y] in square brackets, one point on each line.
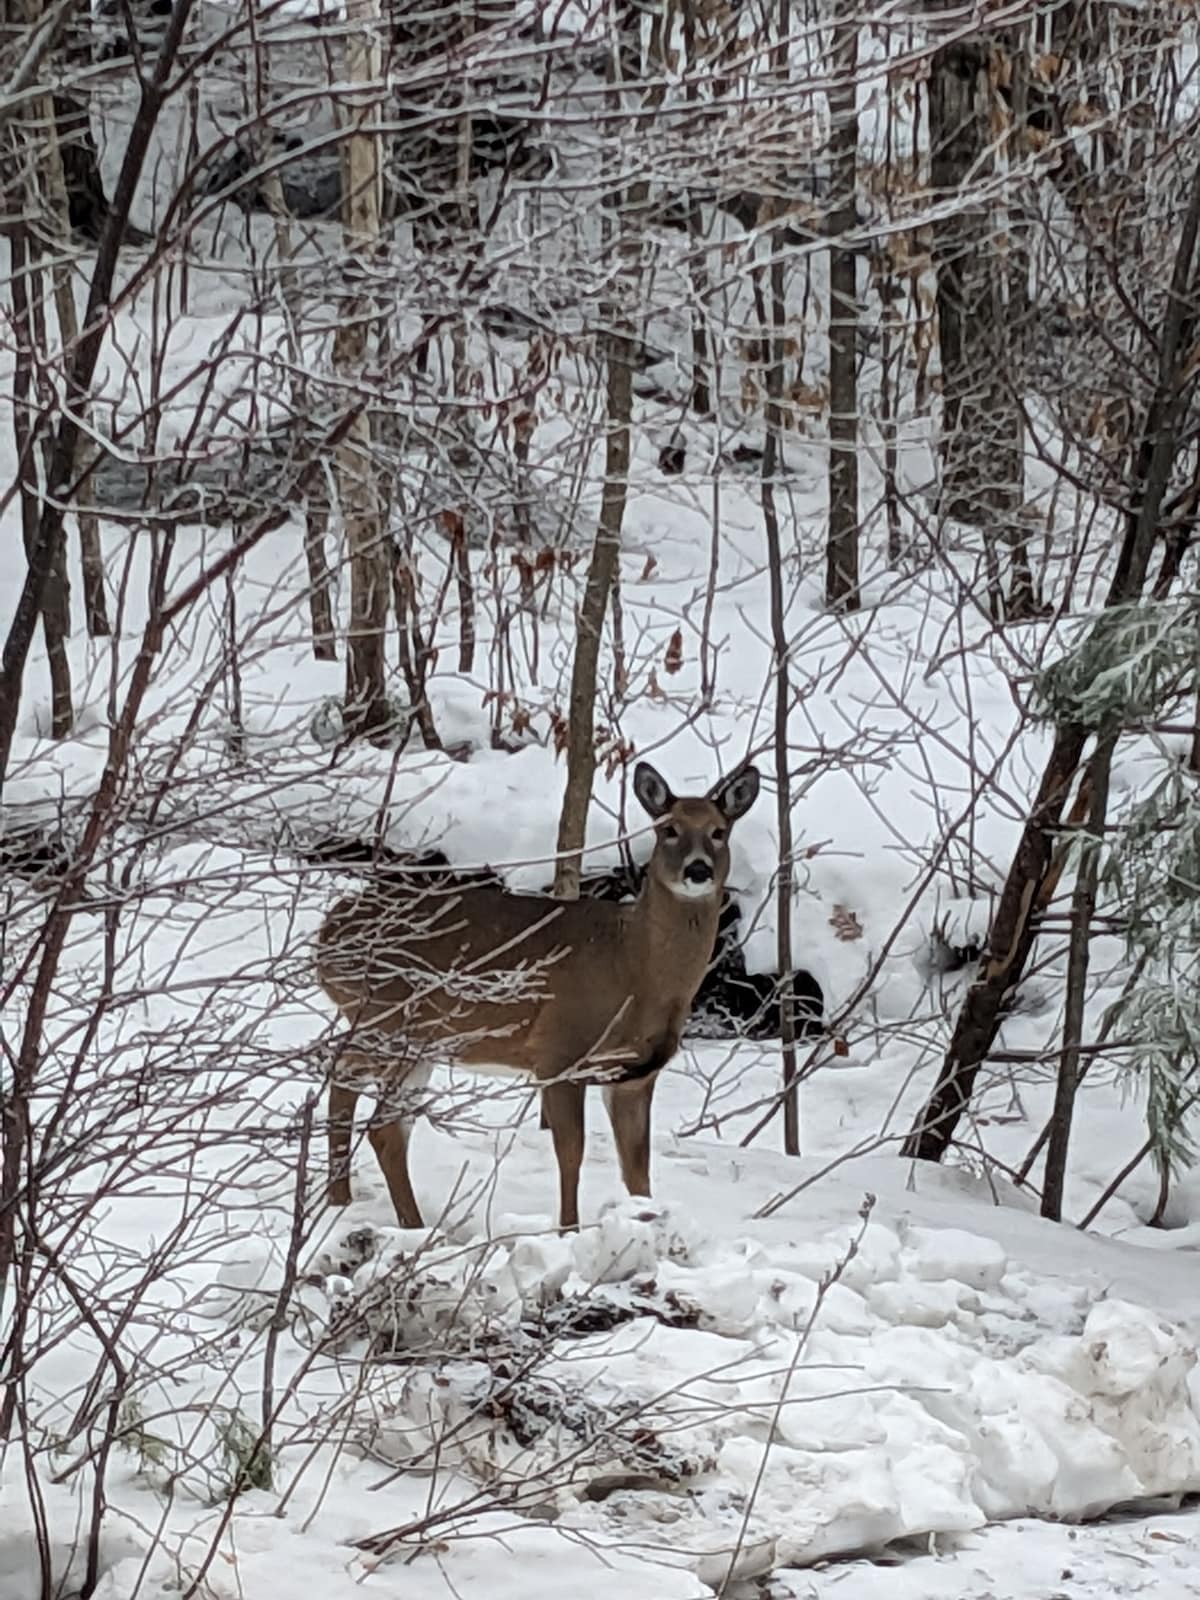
[651, 790]
[737, 793]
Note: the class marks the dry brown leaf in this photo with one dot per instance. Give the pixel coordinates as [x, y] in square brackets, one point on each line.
[845, 924]
[1081, 115]
[807, 396]
[650, 568]
[673, 660]
[619, 756]
[1047, 67]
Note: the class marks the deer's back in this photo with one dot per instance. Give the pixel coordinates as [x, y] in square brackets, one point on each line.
[493, 977]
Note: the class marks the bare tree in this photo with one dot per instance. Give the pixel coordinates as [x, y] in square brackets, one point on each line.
[46, 542]
[57, 211]
[87, 203]
[979, 321]
[367, 709]
[587, 330]
[841, 577]
[606, 548]
[29, 327]
[1166, 430]
[1083, 907]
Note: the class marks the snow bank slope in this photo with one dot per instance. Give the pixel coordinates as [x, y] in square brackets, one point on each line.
[774, 1400]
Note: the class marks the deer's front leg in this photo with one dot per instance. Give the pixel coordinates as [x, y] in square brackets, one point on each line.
[628, 1106]
[563, 1108]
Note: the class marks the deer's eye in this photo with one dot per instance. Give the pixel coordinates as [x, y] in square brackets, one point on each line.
[670, 832]
[719, 835]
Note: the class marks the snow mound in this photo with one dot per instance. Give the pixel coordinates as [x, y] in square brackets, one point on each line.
[738, 1405]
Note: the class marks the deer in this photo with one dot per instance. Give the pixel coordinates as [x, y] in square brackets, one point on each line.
[564, 993]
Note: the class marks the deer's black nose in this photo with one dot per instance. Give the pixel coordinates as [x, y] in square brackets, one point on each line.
[698, 872]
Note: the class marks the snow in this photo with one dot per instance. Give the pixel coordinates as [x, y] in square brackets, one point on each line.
[969, 1364]
[946, 1380]
[829, 1374]
[885, 1411]
[1154, 1556]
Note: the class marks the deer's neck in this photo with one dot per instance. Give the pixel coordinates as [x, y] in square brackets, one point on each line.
[673, 937]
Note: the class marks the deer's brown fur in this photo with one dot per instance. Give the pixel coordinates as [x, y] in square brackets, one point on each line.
[568, 992]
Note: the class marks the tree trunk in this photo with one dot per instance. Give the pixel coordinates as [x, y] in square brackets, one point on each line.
[1014, 315]
[841, 574]
[27, 287]
[581, 716]
[772, 320]
[56, 628]
[771, 311]
[982, 436]
[1083, 909]
[1009, 943]
[320, 606]
[702, 396]
[366, 706]
[1030, 880]
[58, 195]
[316, 511]
[87, 204]
[80, 373]
[606, 550]
[414, 649]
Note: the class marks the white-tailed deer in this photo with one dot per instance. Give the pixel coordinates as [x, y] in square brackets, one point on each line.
[567, 992]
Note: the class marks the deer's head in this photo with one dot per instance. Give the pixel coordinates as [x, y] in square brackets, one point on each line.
[691, 848]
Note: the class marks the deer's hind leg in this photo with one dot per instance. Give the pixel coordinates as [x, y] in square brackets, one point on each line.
[389, 1140]
[342, 1102]
[389, 1133]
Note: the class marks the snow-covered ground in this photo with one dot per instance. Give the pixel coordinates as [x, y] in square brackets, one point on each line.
[765, 1377]
[780, 1379]
[844, 1374]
